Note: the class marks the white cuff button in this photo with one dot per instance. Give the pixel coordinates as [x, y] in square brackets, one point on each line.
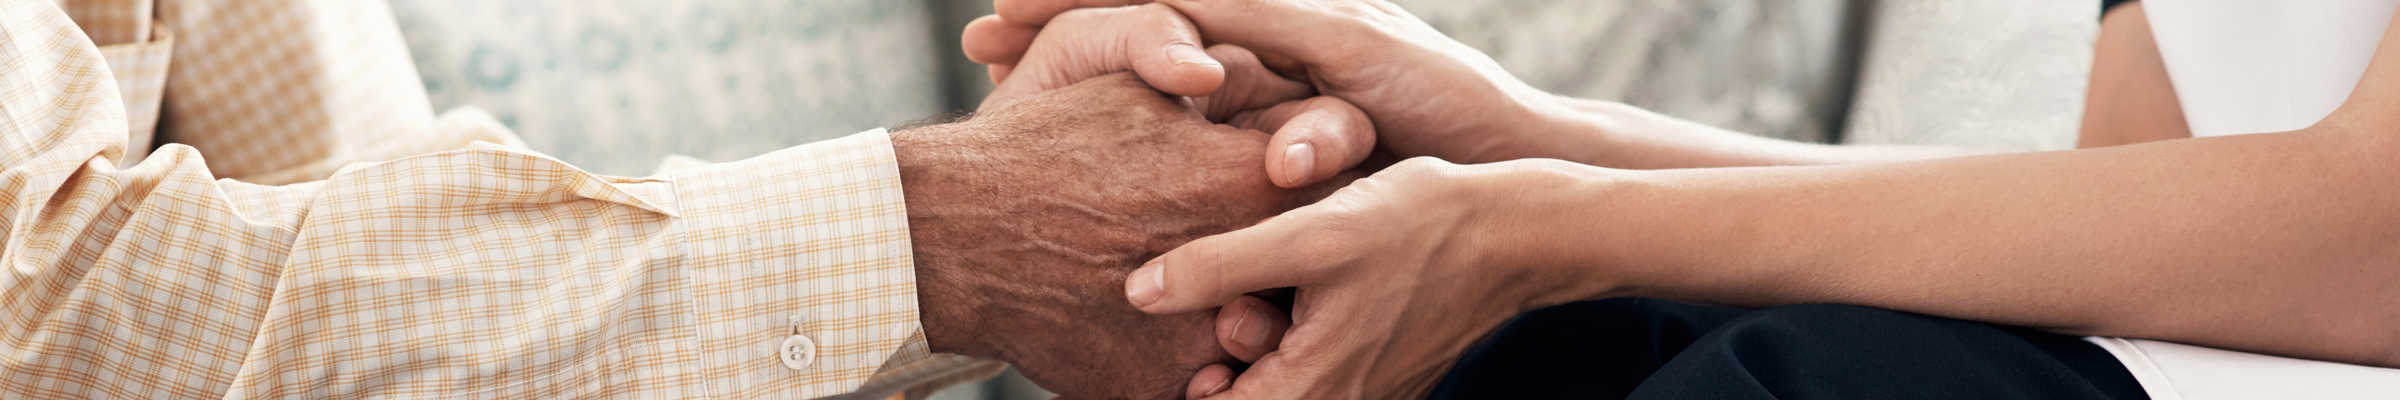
[798, 352]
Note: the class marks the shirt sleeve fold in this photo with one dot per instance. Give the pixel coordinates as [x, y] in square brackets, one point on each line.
[482, 272]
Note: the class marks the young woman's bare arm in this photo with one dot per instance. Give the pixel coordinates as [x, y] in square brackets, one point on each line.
[2283, 243]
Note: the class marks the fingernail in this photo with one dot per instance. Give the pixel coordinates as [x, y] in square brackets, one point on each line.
[1146, 284]
[1298, 160]
[1222, 384]
[1252, 336]
[1241, 309]
[1186, 53]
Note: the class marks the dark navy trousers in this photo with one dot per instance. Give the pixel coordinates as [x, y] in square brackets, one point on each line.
[1655, 349]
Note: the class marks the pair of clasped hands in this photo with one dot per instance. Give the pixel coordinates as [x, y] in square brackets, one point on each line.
[1384, 297]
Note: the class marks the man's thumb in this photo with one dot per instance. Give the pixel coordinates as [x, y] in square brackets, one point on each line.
[1165, 51]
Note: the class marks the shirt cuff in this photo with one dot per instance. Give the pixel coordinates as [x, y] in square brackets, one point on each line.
[802, 275]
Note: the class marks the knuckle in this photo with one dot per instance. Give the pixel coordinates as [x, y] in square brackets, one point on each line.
[1418, 177]
[1204, 275]
[1353, 206]
[1201, 252]
[1249, 7]
[1194, 263]
[1349, 114]
[1076, 17]
[1420, 165]
[1346, 231]
[1343, 248]
[1329, 104]
[1155, 13]
[1352, 9]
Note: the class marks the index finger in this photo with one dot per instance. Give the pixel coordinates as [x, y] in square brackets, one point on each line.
[1214, 270]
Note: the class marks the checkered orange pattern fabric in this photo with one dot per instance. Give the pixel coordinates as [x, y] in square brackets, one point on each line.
[481, 271]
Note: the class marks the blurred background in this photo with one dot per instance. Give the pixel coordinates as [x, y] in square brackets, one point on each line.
[614, 86]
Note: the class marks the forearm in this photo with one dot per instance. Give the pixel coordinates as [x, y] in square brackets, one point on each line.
[2277, 243]
[1616, 135]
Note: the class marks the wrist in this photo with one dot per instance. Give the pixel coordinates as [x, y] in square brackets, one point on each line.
[1544, 217]
[945, 299]
[1573, 129]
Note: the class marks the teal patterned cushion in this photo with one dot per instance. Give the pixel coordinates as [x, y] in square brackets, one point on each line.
[615, 85]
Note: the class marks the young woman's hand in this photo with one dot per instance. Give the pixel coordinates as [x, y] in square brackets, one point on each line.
[1396, 274]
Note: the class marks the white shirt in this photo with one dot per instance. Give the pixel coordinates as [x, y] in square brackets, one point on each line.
[2254, 66]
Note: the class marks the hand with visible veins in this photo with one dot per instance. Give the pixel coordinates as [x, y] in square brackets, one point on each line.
[1026, 218]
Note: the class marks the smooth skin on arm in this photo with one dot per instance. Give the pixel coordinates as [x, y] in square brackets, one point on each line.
[2277, 243]
[1618, 135]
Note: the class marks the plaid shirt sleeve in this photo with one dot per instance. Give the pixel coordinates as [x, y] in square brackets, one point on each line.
[488, 272]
